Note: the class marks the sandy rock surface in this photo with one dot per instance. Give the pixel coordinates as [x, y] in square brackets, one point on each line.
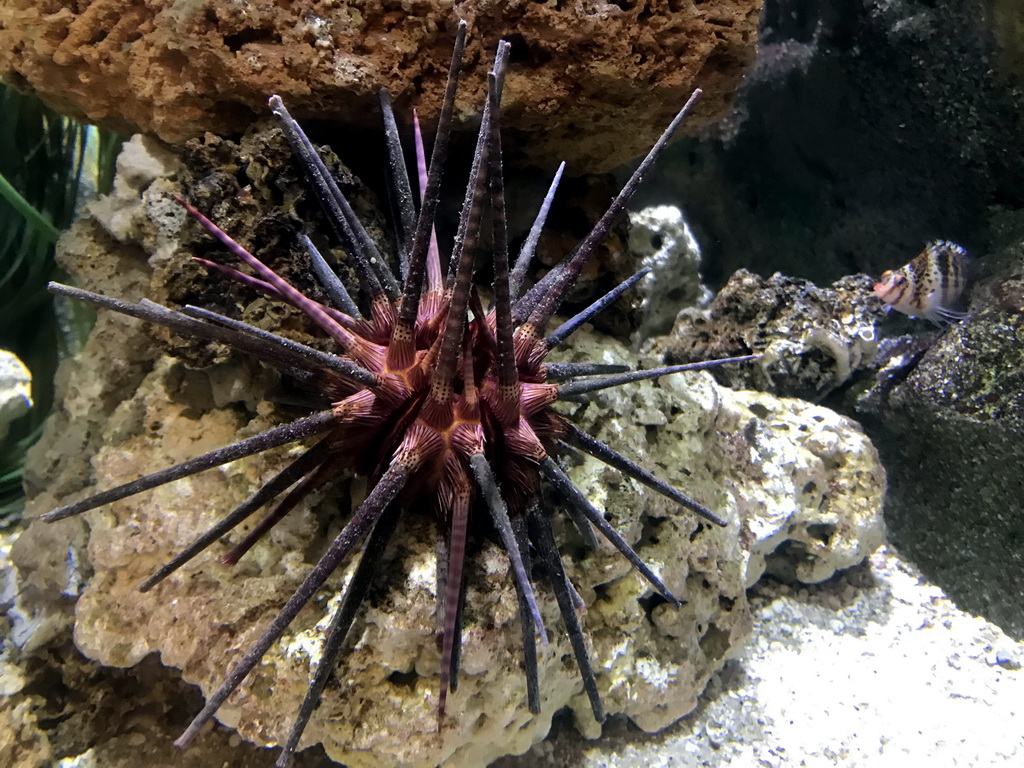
[875, 667]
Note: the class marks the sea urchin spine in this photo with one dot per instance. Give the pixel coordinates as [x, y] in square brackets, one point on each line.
[434, 407]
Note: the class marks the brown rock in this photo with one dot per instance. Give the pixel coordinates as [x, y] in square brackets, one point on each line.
[176, 70]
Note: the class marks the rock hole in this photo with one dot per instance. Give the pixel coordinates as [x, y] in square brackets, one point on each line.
[823, 532]
[759, 410]
[601, 593]
[522, 52]
[715, 642]
[245, 37]
[650, 602]
[403, 679]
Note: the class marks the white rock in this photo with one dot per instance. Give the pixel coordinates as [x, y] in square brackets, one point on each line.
[15, 390]
[660, 236]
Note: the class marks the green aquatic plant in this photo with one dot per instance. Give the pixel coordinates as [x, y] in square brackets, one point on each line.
[50, 164]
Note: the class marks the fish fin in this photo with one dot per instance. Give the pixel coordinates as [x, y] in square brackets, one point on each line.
[943, 316]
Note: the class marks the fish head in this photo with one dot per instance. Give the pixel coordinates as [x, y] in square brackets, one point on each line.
[890, 286]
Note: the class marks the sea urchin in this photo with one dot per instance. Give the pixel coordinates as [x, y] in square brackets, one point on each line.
[444, 407]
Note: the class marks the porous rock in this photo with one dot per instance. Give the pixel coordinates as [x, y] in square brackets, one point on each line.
[661, 238]
[15, 390]
[177, 70]
[22, 741]
[773, 468]
[812, 339]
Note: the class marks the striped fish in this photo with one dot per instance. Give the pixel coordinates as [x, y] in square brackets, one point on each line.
[929, 285]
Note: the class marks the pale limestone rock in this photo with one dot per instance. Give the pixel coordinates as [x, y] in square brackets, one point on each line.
[22, 743]
[748, 456]
[821, 495]
[142, 161]
[660, 236]
[15, 390]
[135, 411]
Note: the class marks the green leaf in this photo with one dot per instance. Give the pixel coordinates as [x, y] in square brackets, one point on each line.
[34, 218]
[49, 166]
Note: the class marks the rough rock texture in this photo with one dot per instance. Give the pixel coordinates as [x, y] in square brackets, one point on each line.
[904, 677]
[22, 741]
[942, 404]
[865, 129]
[69, 712]
[791, 477]
[813, 339]
[15, 390]
[662, 239]
[179, 69]
[950, 425]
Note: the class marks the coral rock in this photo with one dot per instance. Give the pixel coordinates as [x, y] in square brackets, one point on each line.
[177, 70]
[813, 339]
[662, 239]
[15, 390]
[775, 469]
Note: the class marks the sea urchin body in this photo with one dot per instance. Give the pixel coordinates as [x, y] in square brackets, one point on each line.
[444, 407]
